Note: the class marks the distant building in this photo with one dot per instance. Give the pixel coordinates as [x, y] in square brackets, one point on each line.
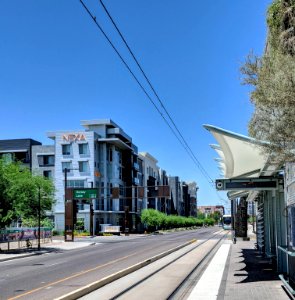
[207, 210]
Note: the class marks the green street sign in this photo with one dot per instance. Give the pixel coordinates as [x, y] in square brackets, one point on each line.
[85, 194]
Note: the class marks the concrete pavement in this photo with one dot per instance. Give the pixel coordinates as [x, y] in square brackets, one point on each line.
[54, 245]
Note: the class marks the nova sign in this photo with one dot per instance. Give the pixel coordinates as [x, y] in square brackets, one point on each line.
[73, 137]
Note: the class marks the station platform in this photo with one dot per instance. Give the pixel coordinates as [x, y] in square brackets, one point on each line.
[246, 275]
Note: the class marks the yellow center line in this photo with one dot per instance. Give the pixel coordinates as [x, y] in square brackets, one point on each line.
[72, 276]
[78, 274]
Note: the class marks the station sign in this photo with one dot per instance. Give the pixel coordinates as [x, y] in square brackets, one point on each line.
[85, 193]
[244, 184]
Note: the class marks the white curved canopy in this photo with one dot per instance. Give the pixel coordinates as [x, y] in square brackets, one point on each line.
[240, 156]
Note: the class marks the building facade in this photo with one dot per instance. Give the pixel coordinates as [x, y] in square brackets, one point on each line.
[18, 150]
[103, 157]
[43, 160]
[208, 210]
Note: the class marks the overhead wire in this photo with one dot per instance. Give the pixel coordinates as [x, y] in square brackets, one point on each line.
[181, 139]
[155, 93]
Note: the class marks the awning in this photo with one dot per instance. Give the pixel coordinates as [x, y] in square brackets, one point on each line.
[241, 156]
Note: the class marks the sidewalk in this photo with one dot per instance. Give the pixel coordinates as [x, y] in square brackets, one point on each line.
[54, 245]
[248, 275]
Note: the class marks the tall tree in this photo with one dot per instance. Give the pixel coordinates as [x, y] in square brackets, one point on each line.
[272, 77]
[20, 193]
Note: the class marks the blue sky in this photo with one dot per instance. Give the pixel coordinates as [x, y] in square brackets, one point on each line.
[56, 69]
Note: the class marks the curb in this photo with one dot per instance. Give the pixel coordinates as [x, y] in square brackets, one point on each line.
[22, 256]
[106, 280]
[18, 256]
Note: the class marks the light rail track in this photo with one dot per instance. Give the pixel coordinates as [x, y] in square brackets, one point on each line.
[182, 288]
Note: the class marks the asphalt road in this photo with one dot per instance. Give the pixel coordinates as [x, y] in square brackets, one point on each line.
[51, 275]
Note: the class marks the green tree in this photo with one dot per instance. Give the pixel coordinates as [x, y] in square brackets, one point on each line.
[272, 78]
[216, 216]
[201, 215]
[20, 192]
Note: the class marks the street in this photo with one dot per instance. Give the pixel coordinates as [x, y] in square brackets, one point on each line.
[52, 275]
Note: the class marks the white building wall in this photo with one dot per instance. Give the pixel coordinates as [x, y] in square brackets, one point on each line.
[150, 168]
[73, 158]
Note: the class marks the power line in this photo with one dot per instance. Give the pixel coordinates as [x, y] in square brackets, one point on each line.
[181, 140]
[154, 91]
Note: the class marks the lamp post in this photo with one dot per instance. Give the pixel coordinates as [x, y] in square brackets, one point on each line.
[66, 170]
[39, 217]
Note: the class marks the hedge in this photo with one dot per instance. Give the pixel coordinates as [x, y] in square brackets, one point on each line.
[155, 219]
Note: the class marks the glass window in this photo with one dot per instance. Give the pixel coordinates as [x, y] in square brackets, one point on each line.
[75, 183]
[83, 149]
[67, 164]
[110, 154]
[66, 149]
[83, 166]
[121, 187]
[47, 174]
[46, 160]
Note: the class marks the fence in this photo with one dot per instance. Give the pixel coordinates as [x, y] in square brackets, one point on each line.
[17, 238]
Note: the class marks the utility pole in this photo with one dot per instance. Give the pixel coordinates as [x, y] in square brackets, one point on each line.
[39, 217]
[66, 172]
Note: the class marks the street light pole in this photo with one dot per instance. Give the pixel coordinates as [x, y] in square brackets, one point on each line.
[39, 218]
[66, 172]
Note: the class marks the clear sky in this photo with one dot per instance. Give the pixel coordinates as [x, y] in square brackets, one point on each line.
[56, 69]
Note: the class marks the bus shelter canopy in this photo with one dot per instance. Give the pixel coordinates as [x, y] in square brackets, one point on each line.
[239, 155]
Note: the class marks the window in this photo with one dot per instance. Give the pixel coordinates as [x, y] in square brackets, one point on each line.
[66, 149]
[46, 160]
[75, 183]
[47, 174]
[110, 154]
[83, 166]
[66, 164]
[83, 149]
[102, 187]
[120, 173]
[121, 187]
[119, 157]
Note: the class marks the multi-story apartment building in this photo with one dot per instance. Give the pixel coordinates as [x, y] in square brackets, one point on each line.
[164, 203]
[150, 180]
[176, 195]
[18, 150]
[102, 156]
[43, 160]
[192, 190]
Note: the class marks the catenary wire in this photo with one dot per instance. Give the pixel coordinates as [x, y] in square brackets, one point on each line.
[133, 75]
[154, 91]
[148, 96]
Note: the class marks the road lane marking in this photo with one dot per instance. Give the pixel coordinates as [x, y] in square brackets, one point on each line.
[81, 273]
[72, 276]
